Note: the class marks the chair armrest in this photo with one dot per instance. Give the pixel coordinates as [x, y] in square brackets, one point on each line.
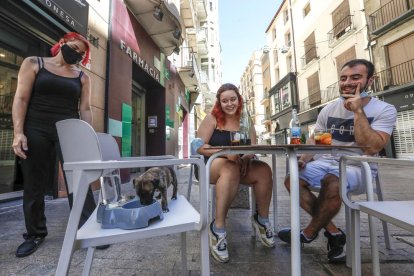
[364, 160]
[162, 157]
[197, 156]
[380, 160]
[367, 178]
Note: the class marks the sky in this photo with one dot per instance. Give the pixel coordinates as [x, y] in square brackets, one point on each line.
[242, 26]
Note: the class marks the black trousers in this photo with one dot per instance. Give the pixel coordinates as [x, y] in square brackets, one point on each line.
[38, 174]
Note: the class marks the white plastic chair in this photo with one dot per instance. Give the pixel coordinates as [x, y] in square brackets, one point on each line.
[84, 163]
[394, 212]
[362, 190]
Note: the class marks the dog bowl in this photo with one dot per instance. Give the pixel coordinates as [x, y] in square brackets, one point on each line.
[128, 215]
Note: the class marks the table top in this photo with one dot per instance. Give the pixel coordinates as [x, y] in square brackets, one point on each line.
[285, 146]
[397, 212]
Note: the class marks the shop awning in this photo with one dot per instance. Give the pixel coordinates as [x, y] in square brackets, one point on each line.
[167, 33]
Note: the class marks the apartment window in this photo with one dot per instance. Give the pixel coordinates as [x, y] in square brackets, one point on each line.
[274, 33]
[275, 57]
[341, 19]
[288, 40]
[306, 9]
[401, 62]
[310, 48]
[277, 75]
[344, 58]
[285, 16]
[211, 6]
[289, 64]
[314, 91]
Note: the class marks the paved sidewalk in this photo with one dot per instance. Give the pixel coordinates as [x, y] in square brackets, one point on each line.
[161, 256]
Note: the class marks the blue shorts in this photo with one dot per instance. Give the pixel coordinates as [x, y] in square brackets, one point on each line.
[316, 170]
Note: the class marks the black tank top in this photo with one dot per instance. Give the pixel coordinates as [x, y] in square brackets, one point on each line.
[54, 97]
[220, 138]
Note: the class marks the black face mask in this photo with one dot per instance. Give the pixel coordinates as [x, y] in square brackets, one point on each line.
[70, 55]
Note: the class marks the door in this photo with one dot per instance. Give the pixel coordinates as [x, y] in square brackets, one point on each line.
[15, 45]
[138, 122]
[403, 134]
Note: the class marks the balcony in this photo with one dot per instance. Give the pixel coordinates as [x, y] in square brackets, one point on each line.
[390, 15]
[188, 13]
[251, 94]
[304, 104]
[310, 55]
[161, 32]
[342, 28]
[331, 93]
[265, 99]
[204, 80]
[394, 76]
[201, 9]
[202, 41]
[266, 120]
[192, 38]
[188, 69]
[322, 97]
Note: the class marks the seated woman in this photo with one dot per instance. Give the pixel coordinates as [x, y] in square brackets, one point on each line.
[228, 172]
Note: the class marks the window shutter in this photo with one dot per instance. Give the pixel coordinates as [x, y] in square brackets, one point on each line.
[310, 48]
[338, 15]
[344, 58]
[314, 91]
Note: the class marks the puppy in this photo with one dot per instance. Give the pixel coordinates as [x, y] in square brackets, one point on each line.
[156, 179]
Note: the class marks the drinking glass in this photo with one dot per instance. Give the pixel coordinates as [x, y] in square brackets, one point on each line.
[235, 138]
[323, 137]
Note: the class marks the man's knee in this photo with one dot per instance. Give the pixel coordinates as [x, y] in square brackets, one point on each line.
[302, 183]
[330, 183]
[330, 188]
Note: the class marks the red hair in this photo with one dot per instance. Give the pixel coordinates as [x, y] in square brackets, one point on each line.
[69, 37]
[217, 111]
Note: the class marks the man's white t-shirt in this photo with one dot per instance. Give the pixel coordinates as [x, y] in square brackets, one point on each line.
[335, 117]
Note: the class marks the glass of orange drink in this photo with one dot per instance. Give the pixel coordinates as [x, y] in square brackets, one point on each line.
[323, 137]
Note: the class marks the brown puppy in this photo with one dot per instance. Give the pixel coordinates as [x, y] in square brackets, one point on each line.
[156, 179]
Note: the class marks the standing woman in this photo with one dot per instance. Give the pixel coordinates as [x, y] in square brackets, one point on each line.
[49, 89]
[229, 171]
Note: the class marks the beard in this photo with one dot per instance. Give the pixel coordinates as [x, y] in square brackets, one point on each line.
[343, 88]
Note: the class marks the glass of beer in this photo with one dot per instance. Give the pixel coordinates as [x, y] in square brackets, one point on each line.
[322, 137]
[235, 138]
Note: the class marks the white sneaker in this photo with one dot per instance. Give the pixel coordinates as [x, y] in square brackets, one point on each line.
[218, 245]
[265, 232]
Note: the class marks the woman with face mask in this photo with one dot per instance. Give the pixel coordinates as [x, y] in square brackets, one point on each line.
[49, 89]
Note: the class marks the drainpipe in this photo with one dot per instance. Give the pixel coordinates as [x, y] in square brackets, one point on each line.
[294, 56]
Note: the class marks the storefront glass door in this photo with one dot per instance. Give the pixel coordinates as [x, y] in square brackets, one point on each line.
[9, 67]
[138, 120]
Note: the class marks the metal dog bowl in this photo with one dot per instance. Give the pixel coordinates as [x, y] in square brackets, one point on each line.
[128, 215]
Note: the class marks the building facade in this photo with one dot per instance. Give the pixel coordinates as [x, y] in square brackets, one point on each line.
[282, 68]
[145, 69]
[391, 40]
[327, 36]
[251, 88]
[30, 28]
